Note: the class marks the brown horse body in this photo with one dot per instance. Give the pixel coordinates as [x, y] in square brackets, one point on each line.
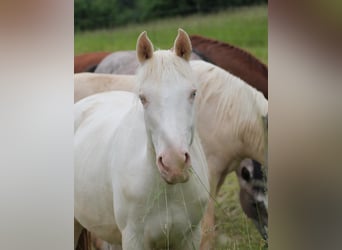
[233, 59]
[86, 62]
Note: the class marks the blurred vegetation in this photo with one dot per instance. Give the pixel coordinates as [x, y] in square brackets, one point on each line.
[96, 14]
[245, 27]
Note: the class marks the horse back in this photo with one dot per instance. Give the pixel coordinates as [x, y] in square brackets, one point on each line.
[86, 84]
[119, 62]
[87, 62]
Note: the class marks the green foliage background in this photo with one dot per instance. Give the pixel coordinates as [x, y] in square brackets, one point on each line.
[95, 14]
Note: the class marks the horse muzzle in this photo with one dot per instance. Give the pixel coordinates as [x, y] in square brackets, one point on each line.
[174, 168]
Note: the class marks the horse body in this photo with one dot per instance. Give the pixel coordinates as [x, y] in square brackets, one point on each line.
[89, 83]
[124, 62]
[139, 204]
[232, 111]
[140, 171]
[95, 212]
[88, 61]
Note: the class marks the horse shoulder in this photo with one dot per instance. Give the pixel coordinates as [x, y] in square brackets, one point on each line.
[133, 170]
[97, 120]
[94, 139]
[131, 164]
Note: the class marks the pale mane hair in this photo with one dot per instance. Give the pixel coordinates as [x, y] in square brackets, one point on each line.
[235, 99]
[162, 66]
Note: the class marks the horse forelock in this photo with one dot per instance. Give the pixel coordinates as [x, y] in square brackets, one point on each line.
[164, 65]
[235, 98]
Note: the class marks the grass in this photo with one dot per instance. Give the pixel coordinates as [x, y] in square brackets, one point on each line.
[234, 229]
[245, 27]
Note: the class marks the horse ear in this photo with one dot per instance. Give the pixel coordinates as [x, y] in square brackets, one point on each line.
[182, 45]
[144, 47]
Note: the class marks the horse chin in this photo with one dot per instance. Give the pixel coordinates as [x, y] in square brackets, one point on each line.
[174, 179]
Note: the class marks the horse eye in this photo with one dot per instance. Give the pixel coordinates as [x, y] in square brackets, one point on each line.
[143, 99]
[245, 174]
[193, 94]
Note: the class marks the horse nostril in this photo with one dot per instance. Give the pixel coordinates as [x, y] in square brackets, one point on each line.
[160, 161]
[187, 158]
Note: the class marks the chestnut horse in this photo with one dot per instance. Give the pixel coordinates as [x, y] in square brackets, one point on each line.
[233, 59]
[88, 62]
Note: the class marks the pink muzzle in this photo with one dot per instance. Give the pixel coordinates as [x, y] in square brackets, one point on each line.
[174, 166]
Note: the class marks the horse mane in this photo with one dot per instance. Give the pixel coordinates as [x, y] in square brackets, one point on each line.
[161, 66]
[235, 99]
[197, 40]
[201, 55]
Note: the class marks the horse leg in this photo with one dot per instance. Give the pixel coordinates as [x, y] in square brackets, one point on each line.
[208, 226]
[208, 222]
[131, 240]
[77, 232]
[217, 177]
[192, 241]
[99, 244]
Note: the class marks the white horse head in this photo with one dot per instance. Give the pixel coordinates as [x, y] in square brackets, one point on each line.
[167, 91]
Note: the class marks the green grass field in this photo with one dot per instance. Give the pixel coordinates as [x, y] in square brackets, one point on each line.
[244, 27]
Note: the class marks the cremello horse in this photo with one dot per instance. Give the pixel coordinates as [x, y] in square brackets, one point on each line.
[229, 121]
[140, 171]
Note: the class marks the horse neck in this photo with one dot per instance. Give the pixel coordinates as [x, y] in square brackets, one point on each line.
[252, 132]
[253, 139]
[249, 126]
[235, 98]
